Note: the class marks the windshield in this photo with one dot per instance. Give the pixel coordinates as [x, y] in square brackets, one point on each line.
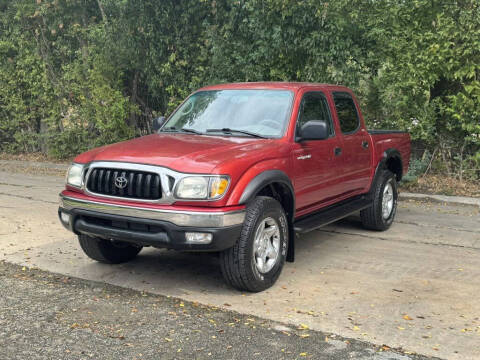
[261, 112]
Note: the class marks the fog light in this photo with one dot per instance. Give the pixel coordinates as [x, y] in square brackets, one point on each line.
[198, 238]
[65, 218]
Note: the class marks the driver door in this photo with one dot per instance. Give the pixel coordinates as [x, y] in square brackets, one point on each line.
[317, 163]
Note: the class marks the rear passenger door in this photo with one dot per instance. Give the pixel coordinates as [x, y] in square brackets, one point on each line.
[356, 148]
[317, 167]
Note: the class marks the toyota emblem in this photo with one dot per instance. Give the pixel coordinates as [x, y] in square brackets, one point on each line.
[121, 182]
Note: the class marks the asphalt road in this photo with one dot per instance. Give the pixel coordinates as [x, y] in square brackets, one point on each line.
[414, 287]
[48, 316]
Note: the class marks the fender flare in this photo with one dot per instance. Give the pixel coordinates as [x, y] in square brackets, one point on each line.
[382, 164]
[263, 179]
[392, 153]
[259, 182]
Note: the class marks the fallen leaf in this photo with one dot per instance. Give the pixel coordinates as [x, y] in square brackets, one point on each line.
[406, 317]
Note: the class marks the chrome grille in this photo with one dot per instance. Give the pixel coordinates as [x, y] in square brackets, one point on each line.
[138, 185]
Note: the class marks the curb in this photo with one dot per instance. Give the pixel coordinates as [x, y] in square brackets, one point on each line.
[444, 199]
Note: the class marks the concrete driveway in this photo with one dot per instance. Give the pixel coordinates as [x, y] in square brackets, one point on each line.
[416, 286]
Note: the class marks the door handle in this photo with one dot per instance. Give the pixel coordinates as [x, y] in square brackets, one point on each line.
[365, 144]
[337, 151]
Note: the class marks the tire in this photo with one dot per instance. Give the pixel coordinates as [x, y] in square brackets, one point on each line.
[239, 263]
[374, 217]
[107, 251]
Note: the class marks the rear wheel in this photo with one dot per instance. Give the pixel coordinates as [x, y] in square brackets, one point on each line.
[108, 251]
[256, 260]
[381, 214]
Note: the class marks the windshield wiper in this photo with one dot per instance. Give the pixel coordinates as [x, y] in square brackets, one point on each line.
[174, 129]
[191, 131]
[229, 131]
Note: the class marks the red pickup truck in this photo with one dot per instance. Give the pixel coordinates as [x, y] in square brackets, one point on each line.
[237, 169]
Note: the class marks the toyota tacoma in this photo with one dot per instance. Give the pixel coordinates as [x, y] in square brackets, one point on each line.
[237, 169]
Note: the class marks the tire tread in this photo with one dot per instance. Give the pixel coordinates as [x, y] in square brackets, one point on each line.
[372, 217]
[235, 261]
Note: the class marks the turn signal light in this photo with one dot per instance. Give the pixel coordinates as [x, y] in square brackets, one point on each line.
[218, 186]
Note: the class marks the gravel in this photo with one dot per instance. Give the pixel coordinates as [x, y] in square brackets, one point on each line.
[50, 316]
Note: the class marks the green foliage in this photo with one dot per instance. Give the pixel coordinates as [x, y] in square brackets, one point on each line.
[75, 74]
[418, 167]
[429, 79]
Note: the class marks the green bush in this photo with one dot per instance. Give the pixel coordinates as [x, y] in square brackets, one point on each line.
[75, 74]
[417, 167]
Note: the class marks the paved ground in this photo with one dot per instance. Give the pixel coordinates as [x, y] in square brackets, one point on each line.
[57, 317]
[414, 287]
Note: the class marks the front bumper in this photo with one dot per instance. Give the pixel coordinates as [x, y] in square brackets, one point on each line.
[150, 227]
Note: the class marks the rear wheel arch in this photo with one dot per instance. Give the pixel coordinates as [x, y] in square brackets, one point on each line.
[392, 160]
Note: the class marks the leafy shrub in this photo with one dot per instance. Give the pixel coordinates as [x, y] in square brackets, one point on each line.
[417, 167]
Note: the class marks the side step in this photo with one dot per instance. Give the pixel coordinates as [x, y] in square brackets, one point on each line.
[331, 214]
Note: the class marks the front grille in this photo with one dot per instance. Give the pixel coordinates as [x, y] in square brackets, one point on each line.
[138, 185]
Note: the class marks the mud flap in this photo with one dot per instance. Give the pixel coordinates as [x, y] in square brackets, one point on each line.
[291, 244]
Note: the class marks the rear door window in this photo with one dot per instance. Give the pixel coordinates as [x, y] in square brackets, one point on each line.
[346, 112]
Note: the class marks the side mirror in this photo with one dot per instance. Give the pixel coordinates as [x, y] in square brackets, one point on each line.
[157, 123]
[313, 130]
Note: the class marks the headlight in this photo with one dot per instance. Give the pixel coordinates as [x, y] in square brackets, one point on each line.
[202, 187]
[74, 175]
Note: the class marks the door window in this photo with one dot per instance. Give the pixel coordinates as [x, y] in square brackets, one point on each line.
[347, 112]
[314, 106]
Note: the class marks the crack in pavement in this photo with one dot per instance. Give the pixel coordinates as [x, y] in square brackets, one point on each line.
[436, 226]
[17, 185]
[29, 198]
[389, 239]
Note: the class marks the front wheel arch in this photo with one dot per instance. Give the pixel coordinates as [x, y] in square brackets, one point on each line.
[275, 184]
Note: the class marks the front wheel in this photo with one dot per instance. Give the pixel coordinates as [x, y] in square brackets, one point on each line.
[108, 251]
[256, 260]
[382, 212]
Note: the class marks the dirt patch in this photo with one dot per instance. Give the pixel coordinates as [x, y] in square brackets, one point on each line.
[33, 157]
[443, 185]
[33, 167]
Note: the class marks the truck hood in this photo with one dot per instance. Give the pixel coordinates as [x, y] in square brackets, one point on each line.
[182, 152]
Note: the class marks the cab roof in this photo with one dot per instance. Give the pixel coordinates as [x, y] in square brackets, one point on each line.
[274, 85]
